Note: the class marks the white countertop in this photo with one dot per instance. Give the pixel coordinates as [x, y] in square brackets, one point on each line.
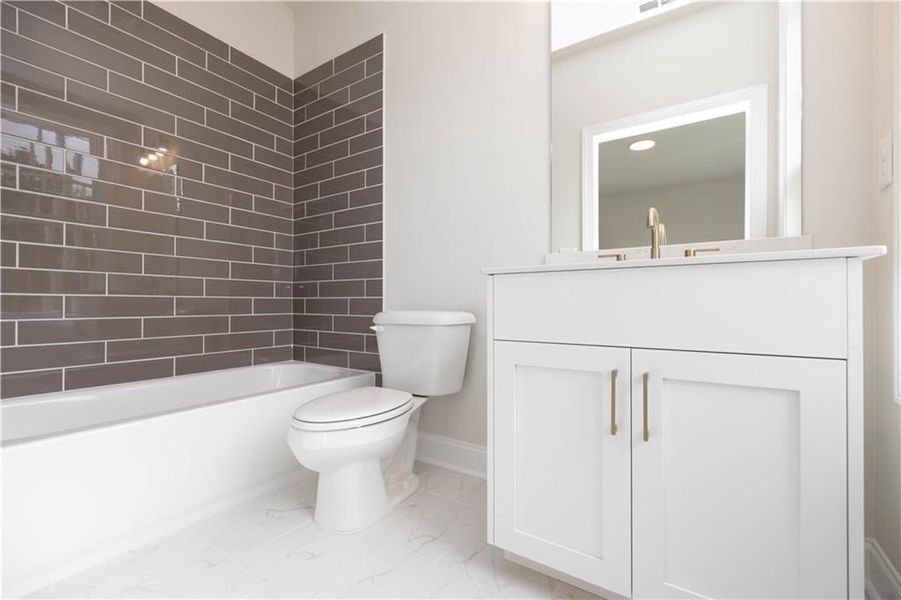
[861, 252]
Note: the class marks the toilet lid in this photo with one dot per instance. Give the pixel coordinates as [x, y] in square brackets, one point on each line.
[343, 409]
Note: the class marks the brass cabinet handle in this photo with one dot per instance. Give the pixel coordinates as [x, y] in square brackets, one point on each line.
[644, 403]
[613, 375]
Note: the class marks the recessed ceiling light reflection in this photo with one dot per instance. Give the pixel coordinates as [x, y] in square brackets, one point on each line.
[640, 145]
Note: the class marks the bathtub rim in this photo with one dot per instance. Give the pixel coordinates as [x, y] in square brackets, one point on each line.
[344, 372]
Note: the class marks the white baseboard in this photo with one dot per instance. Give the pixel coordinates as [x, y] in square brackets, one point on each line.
[451, 454]
[883, 579]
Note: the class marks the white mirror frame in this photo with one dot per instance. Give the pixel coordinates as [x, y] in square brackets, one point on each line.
[752, 102]
[789, 143]
[790, 114]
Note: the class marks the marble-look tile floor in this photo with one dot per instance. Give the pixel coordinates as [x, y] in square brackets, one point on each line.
[430, 546]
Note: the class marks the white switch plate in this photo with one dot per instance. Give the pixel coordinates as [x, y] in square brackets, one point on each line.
[885, 161]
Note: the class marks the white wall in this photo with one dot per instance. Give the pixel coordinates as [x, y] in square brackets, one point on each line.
[697, 54]
[837, 148]
[261, 29]
[466, 155]
[847, 106]
[885, 425]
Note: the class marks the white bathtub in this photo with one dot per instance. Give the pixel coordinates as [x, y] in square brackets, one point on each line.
[91, 473]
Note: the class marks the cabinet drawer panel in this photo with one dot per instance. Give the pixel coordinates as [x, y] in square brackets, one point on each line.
[793, 308]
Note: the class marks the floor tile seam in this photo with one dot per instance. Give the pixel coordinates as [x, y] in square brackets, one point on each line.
[442, 566]
[168, 562]
[271, 542]
[457, 502]
[328, 595]
[203, 545]
[246, 553]
[247, 572]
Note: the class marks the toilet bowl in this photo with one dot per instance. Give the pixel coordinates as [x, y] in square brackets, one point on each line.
[344, 437]
[362, 442]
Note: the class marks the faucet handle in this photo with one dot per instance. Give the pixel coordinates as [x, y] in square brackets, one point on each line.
[690, 252]
[661, 235]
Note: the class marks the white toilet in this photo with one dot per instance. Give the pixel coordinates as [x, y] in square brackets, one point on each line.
[362, 442]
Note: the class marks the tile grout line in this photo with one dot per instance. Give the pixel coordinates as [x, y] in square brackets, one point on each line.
[275, 245]
[144, 41]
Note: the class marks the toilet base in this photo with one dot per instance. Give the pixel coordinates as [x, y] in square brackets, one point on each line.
[398, 468]
[351, 497]
[361, 493]
[401, 490]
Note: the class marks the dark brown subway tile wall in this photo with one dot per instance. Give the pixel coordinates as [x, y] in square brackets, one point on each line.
[338, 208]
[115, 272]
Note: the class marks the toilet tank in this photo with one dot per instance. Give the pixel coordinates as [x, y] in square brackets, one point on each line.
[423, 351]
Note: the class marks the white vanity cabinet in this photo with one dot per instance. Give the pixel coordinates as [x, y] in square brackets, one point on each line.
[735, 469]
[738, 479]
[563, 433]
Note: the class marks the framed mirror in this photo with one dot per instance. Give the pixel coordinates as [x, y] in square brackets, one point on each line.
[690, 107]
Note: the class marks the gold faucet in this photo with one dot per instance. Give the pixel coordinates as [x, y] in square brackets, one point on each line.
[658, 232]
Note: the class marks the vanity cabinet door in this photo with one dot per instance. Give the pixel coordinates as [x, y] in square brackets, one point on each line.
[739, 477]
[562, 455]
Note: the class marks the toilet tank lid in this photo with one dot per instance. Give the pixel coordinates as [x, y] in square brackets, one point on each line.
[423, 317]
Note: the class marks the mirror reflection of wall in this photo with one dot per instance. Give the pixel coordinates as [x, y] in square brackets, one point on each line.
[693, 174]
[609, 65]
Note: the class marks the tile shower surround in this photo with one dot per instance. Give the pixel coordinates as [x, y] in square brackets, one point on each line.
[107, 275]
[338, 208]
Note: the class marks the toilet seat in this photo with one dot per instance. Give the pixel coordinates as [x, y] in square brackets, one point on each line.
[351, 409]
